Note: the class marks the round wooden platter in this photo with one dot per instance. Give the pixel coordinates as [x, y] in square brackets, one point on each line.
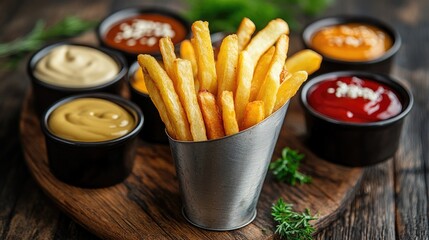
[147, 204]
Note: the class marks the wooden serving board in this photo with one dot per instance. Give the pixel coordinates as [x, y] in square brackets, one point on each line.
[147, 204]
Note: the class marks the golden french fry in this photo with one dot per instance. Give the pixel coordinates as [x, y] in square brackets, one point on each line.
[271, 84]
[211, 115]
[164, 84]
[253, 114]
[304, 60]
[289, 87]
[228, 113]
[244, 83]
[226, 65]
[244, 33]
[265, 38]
[197, 86]
[270, 87]
[205, 56]
[285, 74]
[185, 89]
[155, 96]
[261, 70]
[168, 55]
[187, 52]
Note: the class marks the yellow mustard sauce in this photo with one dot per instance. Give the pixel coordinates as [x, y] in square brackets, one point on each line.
[351, 42]
[76, 67]
[90, 120]
[137, 82]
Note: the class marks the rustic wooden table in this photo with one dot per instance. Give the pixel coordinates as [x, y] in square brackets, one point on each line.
[392, 202]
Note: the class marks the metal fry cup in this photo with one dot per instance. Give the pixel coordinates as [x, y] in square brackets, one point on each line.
[220, 180]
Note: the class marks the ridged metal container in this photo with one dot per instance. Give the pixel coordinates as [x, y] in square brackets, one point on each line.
[220, 180]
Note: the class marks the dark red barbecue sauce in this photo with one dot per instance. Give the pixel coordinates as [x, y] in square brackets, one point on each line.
[353, 99]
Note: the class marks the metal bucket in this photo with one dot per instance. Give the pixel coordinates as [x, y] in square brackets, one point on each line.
[220, 180]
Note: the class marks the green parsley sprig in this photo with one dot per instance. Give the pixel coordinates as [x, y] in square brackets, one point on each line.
[285, 169]
[290, 224]
[12, 52]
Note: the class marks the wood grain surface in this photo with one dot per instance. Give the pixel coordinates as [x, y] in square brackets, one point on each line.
[147, 204]
[392, 202]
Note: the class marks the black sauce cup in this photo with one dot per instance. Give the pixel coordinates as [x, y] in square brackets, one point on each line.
[92, 164]
[114, 17]
[355, 144]
[153, 129]
[46, 94]
[381, 64]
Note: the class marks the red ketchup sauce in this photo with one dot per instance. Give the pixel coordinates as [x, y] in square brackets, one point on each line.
[353, 99]
[141, 33]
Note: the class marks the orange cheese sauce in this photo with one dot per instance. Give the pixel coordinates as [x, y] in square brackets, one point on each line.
[351, 42]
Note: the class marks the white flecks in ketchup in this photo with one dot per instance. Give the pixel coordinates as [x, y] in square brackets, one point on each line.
[354, 99]
[354, 91]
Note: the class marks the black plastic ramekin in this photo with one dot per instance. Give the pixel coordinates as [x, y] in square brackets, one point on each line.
[381, 64]
[355, 144]
[46, 94]
[122, 14]
[92, 164]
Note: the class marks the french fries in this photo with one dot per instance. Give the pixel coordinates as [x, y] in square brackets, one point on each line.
[200, 98]
[155, 96]
[187, 52]
[285, 74]
[205, 56]
[182, 69]
[226, 65]
[304, 60]
[271, 84]
[244, 83]
[260, 72]
[289, 87]
[228, 113]
[211, 114]
[175, 111]
[253, 114]
[244, 32]
[168, 56]
[265, 38]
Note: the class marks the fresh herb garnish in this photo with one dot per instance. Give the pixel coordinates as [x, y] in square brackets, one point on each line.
[292, 225]
[12, 52]
[226, 15]
[285, 169]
